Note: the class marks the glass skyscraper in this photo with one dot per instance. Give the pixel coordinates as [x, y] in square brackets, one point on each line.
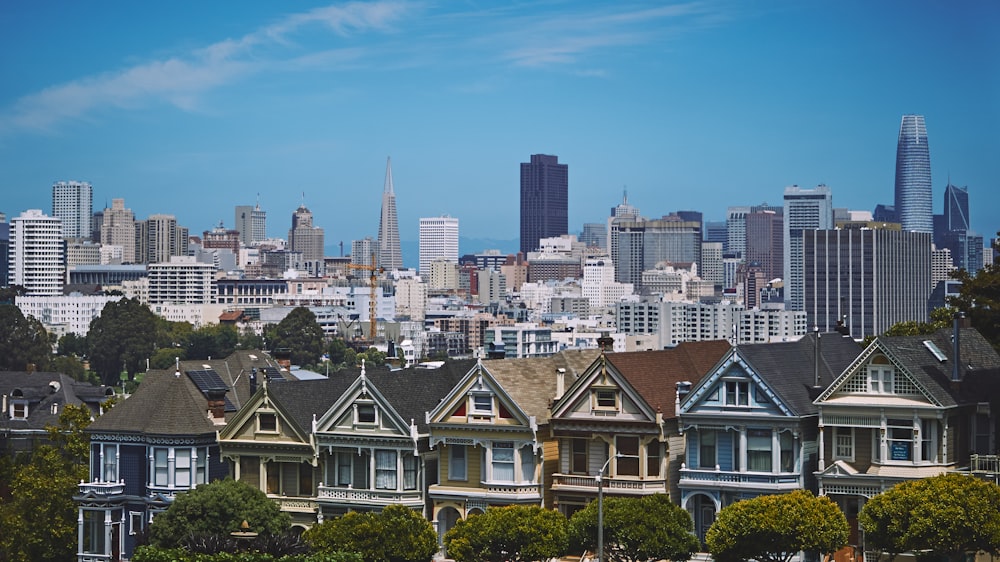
[913, 176]
[544, 200]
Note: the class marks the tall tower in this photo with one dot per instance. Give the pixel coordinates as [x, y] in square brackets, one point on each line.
[805, 209]
[251, 224]
[913, 176]
[544, 200]
[304, 237]
[438, 240]
[118, 229]
[159, 237]
[73, 204]
[37, 253]
[956, 208]
[390, 256]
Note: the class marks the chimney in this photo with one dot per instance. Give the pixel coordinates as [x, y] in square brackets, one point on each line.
[683, 389]
[253, 381]
[560, 382]
[956, 344]
[283, 357]
[216, 404]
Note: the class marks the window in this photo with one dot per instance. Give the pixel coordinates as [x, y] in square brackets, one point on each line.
[899, 439]
[880, 379]
[627, 465]
[606, 399]
[706, 448]
[361, 479]
[482, 403]
[843, 443]
[19, 411]
[653, 459]
[134, 522]
[385, 470]
[267, 423]
[110, 473]
[527, 464]
[182, 468]
[343, 469]
[737, 393]
[759, 450]
[928, 440]
[201, 466]
[503, 461]
[409, 472]
[273, 478]
[305, 479]
[786, 442]
[93, 532]
[578, 453]
[456, 463]
[160, 467]
[366, 413]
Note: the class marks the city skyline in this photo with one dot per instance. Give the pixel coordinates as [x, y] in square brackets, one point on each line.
[688, 105]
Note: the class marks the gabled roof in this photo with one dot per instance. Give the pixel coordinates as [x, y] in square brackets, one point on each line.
[532, 382]
[979, 365]
[655, 374]
[789, 368]
[42, 390]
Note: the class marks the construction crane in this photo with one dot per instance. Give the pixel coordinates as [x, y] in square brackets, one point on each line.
[374, 271]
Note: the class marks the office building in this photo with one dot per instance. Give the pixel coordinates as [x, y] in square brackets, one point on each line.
[871, 279]
[956, 208]
[4, 251]
[181, 280]
[305, 238]
[598, 285]
[913, 175]
[736, 230]
[364, 251]
[716, 231]
[952, 231]
[118, 229]
[595, 235]
[73, 204]
[159, 237]
[765, 242]
[711, 263]
[438, 240]
[65, 314]
[544, 200]
[643, 244]
[804, 210]
[390, 255]
[251, 222]
[37, 253]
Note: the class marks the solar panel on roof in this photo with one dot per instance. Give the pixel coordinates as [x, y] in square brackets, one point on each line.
[207, 380]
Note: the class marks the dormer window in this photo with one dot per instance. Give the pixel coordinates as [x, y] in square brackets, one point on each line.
[365, 413]
[267, 422]
[605, 399]
[19, 411]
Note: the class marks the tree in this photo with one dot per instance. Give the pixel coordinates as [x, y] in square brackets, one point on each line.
[945, 516]
[249, 339]
[299, 333]
[41, 494]
[979, 299]
[71, 344]
[212, 341]
[516, 533]
[774, 528]
[123, 337]
[637, 529]
[337, 351]
[70, 365]
[217, 508]
[396, 534]
[24, 341]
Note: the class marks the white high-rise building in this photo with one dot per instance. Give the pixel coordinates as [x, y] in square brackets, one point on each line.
[599, 285]
[251, 222]
[805, 209]
[37, 261]
[438, 240]
[182, 280]
[73, 204]
[711, 262]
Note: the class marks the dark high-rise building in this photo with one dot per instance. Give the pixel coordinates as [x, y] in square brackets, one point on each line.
[956, 207]
[765, 243]
[544, 200]
[952, 230]
[913, 175]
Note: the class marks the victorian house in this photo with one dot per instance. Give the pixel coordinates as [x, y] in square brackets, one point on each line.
[908, 407]
[617, 421]
[491, 439]
[750, 425]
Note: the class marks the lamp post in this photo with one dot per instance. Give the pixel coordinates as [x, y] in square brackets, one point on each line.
[600, 507]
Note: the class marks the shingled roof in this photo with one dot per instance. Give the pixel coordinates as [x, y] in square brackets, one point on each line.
[655, 374]
[164, 404]
[532, 382]
[789, 368]
[43, 390]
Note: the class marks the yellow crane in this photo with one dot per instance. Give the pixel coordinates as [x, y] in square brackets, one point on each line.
[373, 270]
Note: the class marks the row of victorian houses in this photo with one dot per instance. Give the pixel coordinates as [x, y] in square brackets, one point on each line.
[705, 422]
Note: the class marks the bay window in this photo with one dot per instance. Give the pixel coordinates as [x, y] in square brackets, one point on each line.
[385, 470]
[503, 461]
[182, 468]
[628, 464]
[409, 472]
[653, 459]
[707, 439]
[759, 450]
[578, 454]
[527, 464]
[160, 467]
[110, 472]
[786, 442]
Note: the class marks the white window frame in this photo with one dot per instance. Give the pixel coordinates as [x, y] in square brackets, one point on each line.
[740, 395]
[134, 522]
[358, 406]
[845, 450]
[881, 379]
[183, 466]
[602, 395]
[109, 466]
[157, 467]
[508, 464]
[482, 404]
[23, 407]
[458, 461]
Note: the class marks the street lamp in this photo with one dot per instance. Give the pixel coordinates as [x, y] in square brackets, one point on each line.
[600, 507]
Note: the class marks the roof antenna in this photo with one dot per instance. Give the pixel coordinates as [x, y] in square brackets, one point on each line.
[177, 367]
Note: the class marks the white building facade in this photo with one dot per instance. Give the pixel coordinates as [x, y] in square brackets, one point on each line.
[438, 241]
[37, 259]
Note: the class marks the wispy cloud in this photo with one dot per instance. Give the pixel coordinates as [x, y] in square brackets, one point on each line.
[182, 80]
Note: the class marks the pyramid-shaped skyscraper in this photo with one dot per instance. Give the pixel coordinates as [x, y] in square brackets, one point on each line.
[390, 257]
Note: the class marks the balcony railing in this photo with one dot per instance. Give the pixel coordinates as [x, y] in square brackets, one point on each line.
[102, 488]
[367, 497]
[513, 489]
[739, 479]
[93, 557]
[296, 505]
[566, 482]
[985, 463]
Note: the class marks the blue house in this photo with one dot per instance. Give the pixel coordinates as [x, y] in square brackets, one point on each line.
[751, 425]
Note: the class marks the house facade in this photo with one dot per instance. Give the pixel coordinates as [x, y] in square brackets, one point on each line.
[750, 425]
[908, 407]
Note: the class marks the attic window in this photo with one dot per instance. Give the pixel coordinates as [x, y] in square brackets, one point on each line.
[267, 423]
[19, 411]
[935, 351]
[605, 400]
[482, 403]
[366, 413]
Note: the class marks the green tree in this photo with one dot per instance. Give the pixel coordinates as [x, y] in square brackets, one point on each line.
[338, 351]
[637, 529]
[774, 528]
[396, 534]
[123, 337]
[979, 299]
[24, 341]
[249, 339]
[939, 318]
[70, 365]
[945, 516]
[217, 341]
[372, 357]
[172, 334]
[166, 357]
[217, 508]
[517, 533]
[39, 516]
[299, 333]
[72, 344]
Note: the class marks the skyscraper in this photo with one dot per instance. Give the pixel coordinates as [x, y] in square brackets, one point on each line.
[544, 200]
[438, 240]
[251, 222]
[159, 237]
[956, 207]
[805, 209]
[304, 237]
[73, 204]
[37, 255]
[390, 255]
[118, 229]
[765, 243]
[913, 175]
[643, 244]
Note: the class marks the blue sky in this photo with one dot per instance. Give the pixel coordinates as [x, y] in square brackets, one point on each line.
[191, 108]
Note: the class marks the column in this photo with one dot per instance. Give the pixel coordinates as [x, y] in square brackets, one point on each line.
[742, 460]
